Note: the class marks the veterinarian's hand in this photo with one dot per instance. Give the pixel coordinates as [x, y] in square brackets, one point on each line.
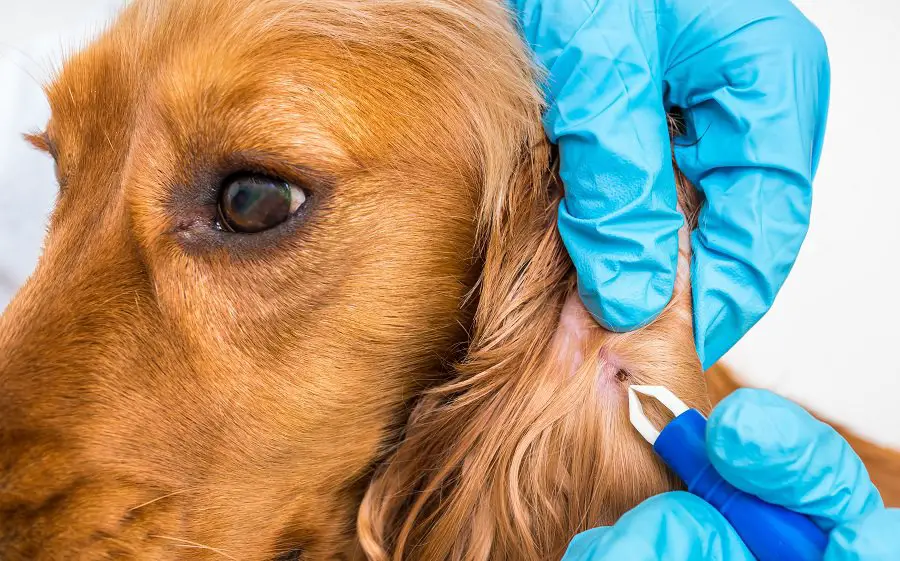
[770, 447]
[753, 79]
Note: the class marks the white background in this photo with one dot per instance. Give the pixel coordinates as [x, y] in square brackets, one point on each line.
[830, 341]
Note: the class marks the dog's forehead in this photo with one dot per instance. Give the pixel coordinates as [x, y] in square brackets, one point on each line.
[180, 68]
[330, 69]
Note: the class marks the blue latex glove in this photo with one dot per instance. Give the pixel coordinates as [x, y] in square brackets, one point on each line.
[770, 447]
[753, 79]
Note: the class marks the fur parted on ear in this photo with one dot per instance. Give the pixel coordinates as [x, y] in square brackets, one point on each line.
[529, 443]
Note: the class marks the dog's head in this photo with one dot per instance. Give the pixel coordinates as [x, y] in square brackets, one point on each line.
[280, 224]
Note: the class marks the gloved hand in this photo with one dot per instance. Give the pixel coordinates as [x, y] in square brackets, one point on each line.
[753, 80]
[770, 447]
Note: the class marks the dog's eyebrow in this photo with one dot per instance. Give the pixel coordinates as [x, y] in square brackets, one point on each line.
[42, 142]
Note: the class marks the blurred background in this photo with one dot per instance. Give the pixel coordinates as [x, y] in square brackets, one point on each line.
[828, 342]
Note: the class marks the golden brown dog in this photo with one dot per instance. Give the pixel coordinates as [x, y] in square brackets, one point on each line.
[302, 297]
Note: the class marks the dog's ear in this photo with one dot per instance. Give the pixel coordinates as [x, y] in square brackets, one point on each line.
[527, 445]
[438, 496]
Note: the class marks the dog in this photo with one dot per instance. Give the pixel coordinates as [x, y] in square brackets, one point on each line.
[302, 297]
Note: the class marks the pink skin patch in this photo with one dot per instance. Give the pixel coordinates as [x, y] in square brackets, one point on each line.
[577, 327]
[570, 339]
[575, 333]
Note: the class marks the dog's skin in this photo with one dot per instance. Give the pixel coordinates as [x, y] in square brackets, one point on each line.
[400, 369]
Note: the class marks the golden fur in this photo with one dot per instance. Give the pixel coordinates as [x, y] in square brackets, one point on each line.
[404, 372]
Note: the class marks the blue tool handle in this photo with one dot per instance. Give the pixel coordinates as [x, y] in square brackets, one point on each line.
[770, 532]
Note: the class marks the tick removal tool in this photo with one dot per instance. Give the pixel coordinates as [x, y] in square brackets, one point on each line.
[770, 532]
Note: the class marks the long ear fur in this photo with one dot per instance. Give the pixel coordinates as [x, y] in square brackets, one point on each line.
[529, 443]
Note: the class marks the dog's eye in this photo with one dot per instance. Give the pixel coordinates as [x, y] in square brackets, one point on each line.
[252, 203]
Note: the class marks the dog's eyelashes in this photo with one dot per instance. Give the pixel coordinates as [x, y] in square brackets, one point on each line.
[250, 203]
[293, 555]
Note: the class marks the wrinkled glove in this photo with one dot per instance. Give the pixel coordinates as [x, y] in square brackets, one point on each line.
[770, 447]
[752, 77]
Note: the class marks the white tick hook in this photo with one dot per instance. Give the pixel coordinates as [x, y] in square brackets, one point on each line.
[636, 411]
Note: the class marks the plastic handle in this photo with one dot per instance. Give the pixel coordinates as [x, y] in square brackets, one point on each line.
[770, 532]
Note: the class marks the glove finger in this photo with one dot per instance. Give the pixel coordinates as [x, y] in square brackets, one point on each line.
[670, 527]
[873, 538]
[549, 26]
[770, 447]
[618, 219]
[755, 130]
[583, 547]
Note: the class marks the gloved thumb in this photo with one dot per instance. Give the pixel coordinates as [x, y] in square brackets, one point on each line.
[770, 447]
[674, 526]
